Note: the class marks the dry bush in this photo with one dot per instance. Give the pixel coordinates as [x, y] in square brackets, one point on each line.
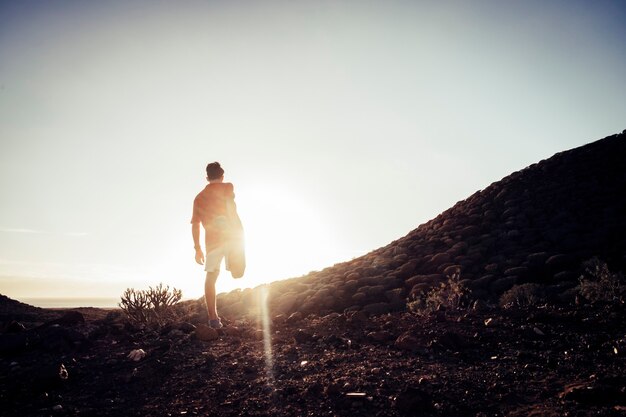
[450, 295]
[154, 306]
[524, 295]
[597, 283]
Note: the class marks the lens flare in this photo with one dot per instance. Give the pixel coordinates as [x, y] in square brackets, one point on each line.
[264, 315]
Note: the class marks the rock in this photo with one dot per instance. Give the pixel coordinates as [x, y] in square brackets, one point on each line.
[479, 305]
[286, 303]
[413, 401]
[206, 333]
[359, 298]
[407, 342]
[232, 331]
[58, 339]
[377, 308]
[302, 336]
[440, 258]
[48, 375]
[396, 296]
[295, 317]
[357, 317]
[452, 269]
[70, 318]
[482, 282]
[490, 322]
[603, 392]
[332, 389]
[558, 262]
[14, 327]
[407, 269]
[537, 259]
[519, 271]
[136, 355]
[501, 285]
[380, 336]
[186, 327]
[566, 276]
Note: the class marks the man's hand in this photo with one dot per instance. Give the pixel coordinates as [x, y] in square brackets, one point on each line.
[199, 256]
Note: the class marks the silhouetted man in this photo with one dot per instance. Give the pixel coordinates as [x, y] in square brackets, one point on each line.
[215, 208]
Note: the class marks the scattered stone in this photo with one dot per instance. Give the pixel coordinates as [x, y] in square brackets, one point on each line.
[332, 389]
[137, 355]
[232, 331]
[206, 333]
[407, 342]
[295, 317]
[377, 308]
[479, 306]
[490, 322]
[380, 336]
[302, 336]
[14, 327]
[559, 261]
[357, 317]
[186, 327]
[610, 391]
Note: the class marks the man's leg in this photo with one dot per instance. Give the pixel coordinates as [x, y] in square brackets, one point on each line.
[209, 294]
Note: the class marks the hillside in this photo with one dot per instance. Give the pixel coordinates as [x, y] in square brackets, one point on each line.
[536, 225]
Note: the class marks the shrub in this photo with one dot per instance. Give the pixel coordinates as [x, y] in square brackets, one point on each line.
[597, 283]
[450, 295]
[523, 295]
[154, 306]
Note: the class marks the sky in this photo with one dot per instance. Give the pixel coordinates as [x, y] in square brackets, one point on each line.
[343, 125]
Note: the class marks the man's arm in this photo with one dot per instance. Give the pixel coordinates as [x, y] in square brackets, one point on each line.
[195, 233]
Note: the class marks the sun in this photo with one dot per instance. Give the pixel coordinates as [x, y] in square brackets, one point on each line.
[286, 236]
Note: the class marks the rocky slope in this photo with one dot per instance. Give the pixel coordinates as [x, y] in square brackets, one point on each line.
[535, 225]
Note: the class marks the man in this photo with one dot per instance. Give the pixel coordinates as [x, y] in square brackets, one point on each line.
[214, 208]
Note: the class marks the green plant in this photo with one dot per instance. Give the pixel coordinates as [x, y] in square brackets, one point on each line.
[154, 306]
[598, 283]
[449, 295]
[523, 295]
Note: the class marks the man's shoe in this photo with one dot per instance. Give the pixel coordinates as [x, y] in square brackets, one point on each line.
[215, 324]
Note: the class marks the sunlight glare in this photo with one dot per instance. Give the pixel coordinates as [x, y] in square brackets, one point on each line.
[263, 314]
[286, 236]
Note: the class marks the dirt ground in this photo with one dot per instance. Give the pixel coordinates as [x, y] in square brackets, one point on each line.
[528, 362]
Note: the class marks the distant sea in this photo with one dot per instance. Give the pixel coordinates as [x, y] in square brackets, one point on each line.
[100, 302]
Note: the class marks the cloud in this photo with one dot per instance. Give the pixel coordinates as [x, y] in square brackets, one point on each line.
[27, 231]
[40, 232]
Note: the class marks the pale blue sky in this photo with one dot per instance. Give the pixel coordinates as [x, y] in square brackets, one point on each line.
[342, 124]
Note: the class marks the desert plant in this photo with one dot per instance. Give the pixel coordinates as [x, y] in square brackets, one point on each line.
[598, 283]
[523, 295]
[449, 295]
[154, 306]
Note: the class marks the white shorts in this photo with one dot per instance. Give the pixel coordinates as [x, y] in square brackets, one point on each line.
[213, 259]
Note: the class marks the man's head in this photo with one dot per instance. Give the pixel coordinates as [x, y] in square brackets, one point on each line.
[214, 172]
